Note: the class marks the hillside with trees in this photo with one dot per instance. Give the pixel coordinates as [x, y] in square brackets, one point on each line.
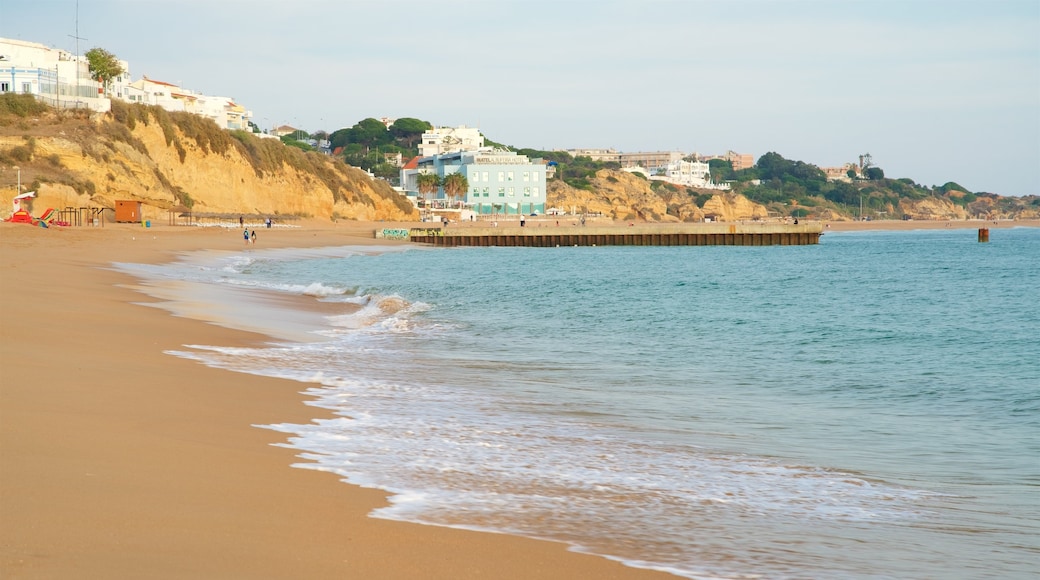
[787, 188]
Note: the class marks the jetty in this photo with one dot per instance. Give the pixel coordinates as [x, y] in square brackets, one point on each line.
[547, 235]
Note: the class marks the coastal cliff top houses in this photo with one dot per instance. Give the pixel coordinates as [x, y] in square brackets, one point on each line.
[671, 166]
[62, 79]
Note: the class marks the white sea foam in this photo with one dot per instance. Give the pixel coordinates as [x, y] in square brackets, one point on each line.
[651, 436]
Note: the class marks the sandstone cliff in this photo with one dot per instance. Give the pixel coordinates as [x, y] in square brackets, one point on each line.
[168, 161]
[621, 195]
[932, 208]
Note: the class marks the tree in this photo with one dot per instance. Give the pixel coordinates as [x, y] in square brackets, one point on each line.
[874, 173]
[103, 66]
[390, 173]
[370, 132]
[456, 185]
[407, 131]
[427, 183]
[721, 170]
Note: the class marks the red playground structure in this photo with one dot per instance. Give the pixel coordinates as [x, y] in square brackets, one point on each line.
[22, 216]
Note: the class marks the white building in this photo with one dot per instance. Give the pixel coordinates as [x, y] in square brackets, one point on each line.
[441, 140]
[689, 174]
[56, 77]
[62, 79]
[224, 111]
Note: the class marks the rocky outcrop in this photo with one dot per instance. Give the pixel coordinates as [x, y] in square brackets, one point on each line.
[96, 162]
[621, 195]
[733, 207]
[932, 208]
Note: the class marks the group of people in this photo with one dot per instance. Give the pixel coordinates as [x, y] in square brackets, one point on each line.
[250, 236]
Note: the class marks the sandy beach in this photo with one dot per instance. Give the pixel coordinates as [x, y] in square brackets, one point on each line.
[120, 461]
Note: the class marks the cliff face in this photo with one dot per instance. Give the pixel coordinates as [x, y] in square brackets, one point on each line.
[932, 208]
[95, 162]
[621, 195]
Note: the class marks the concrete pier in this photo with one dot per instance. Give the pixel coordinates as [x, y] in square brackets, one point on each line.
[543, 236]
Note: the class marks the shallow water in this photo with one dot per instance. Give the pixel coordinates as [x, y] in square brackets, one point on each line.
[865, 408]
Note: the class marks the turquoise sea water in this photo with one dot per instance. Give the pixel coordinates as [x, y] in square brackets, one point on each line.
[865, 408]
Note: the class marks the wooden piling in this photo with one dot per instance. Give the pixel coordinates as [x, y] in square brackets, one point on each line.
[983, 235]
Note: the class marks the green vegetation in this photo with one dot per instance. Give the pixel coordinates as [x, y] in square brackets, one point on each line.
[369, 143]
[103, 66]
[20, 105]
[427, 183]
[455, 186]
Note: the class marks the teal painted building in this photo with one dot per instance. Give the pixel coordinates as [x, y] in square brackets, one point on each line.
[500, 182]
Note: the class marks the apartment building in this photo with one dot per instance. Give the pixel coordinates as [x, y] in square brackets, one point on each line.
[56, 77]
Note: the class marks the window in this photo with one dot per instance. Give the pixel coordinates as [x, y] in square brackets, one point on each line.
[476, 177]
[527, 176]
[5, 87]
[534, 176]
[476, 191]
[527, 192]
[486, 191]
[501, 175]
[509, 176]
[511, 192]
[484, 176]
[501, 192]
[534, 191]
[27, 88]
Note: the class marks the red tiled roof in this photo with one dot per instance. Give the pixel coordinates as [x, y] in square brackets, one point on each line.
[337, 150]
[413, 163]
[159, 82]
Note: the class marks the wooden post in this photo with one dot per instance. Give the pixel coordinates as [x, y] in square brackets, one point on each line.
[983, 235]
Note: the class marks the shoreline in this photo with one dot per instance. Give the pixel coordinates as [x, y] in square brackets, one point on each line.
[122, 461]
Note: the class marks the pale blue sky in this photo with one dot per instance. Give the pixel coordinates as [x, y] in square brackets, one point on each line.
[934, 90]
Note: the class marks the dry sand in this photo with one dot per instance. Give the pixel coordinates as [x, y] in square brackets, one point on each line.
[118, 461]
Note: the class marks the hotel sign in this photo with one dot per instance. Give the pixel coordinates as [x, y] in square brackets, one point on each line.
[501, 160]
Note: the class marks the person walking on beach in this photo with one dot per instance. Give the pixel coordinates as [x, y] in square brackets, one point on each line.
[241, 222]
[522, 220]
[245, 235]
[252, 237]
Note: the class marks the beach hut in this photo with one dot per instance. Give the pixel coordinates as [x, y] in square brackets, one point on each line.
[128, 211]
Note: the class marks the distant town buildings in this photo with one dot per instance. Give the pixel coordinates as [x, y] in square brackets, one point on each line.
[62, 80]
[841, 173]
[737, 160]
[688, 169]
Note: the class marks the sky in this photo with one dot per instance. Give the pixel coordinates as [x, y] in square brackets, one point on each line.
[934, 90]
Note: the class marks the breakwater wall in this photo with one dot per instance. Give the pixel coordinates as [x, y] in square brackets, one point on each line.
[640, 235]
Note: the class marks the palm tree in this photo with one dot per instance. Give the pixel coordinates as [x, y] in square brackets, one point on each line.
[427, 183]
[455, 185]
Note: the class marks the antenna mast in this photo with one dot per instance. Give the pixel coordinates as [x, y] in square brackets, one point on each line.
[77, 37]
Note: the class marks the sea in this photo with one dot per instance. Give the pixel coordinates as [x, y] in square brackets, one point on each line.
[864, 408]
